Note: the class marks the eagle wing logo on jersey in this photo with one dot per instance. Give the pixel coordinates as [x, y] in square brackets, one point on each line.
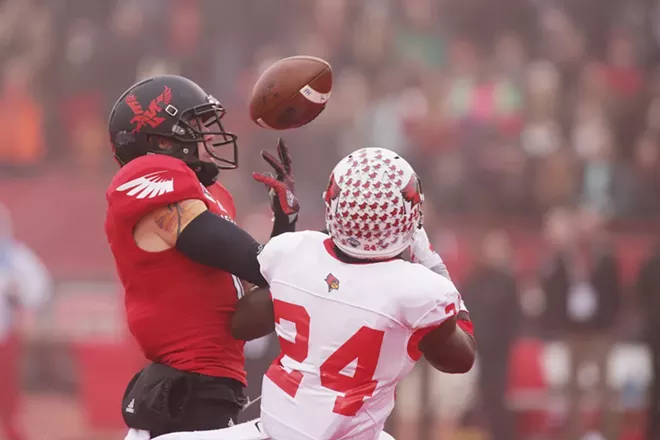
[332, 282]
[412, 192]
[150, 115]
[148, 186]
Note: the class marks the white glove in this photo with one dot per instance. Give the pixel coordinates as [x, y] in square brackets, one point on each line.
[461, 306]
[422, 252]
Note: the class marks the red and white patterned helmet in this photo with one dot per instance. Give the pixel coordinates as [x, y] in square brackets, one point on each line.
[373, 204]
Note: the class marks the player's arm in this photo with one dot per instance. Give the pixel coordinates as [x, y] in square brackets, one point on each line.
[254, 316]
[451, 346]
[208, 239]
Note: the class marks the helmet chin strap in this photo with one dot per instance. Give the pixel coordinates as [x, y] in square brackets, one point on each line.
[206, 172]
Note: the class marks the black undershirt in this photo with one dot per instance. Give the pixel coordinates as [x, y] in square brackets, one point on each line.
[217, 242]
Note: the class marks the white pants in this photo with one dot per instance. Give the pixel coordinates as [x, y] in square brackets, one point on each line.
[251, 430]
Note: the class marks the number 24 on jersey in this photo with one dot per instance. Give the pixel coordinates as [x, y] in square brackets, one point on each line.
[364, 345]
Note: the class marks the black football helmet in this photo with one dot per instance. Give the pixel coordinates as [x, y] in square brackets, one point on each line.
[176, 109]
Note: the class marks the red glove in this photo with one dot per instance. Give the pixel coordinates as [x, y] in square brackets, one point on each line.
[281, 186]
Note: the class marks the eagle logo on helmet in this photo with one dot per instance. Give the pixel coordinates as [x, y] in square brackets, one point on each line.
[412, 192]
[150, 116]
[332, 191]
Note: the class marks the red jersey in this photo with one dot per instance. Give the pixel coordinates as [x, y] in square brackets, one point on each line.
[179, 311]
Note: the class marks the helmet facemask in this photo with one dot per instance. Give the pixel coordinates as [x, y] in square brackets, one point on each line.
[197, 128]
[202, 126]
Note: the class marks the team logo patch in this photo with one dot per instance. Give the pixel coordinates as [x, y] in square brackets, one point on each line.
[332, 282]
[148, 186]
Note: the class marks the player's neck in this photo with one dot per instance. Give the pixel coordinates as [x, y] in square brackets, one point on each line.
[345, 258]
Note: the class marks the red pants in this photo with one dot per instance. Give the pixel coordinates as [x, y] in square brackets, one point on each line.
[10, 388]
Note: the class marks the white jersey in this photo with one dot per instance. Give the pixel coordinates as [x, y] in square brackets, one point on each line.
[348, 334]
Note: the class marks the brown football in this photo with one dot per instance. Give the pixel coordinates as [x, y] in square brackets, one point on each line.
[291, 93]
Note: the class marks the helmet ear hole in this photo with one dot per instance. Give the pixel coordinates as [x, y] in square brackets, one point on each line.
[171, 146]
[161, 142]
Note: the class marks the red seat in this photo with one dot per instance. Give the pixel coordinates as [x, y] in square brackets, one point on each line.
[526, 375]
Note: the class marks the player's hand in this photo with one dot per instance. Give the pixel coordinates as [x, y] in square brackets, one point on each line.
[422, 252]
[281, 186]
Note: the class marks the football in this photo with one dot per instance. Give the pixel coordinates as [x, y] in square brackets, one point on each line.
[291, 93]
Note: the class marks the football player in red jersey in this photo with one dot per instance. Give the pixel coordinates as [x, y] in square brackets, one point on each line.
[179, 254]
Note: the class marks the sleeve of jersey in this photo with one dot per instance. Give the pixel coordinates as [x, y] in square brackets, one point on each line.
[436, 299]
[160, 183]
[273, 254]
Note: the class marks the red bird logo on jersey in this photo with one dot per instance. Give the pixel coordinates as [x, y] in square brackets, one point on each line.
[412, 192]
[332, 191]
[332, 281]
[150, 116]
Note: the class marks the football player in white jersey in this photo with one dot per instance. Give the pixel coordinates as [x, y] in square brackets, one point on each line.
[352, 316]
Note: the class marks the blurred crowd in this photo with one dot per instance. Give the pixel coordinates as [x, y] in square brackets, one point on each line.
[507, 108]
[542, 113]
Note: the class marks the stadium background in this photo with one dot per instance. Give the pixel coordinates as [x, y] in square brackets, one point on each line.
[525, 119]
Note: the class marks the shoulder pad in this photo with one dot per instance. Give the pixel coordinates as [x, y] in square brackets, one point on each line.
[150, 182]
